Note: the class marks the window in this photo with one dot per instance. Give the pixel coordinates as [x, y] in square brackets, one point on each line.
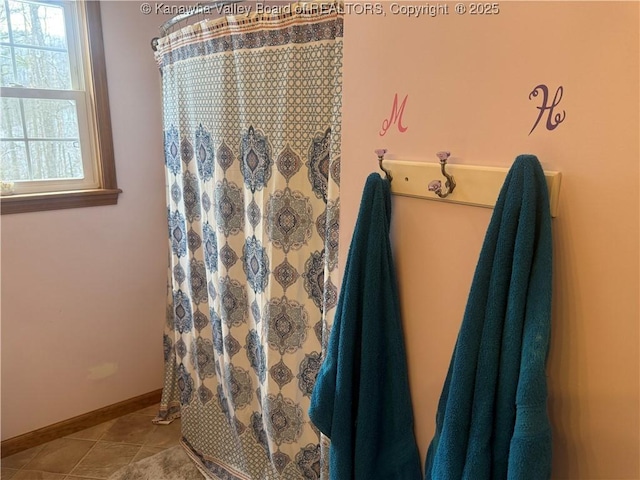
[55, 133]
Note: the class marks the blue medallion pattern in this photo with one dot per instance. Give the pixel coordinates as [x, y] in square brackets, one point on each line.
[255, 311]
[224, 157]
[231, 345]
[186, 151]
[193, 240]
[229, 207]
[216, 327]
[172, 150]
[314, 277]
[284, 419]
[318, 163]
[319, 329]
[255, 354]
[210, 248]
[257, 428]
[228, 257]
[253, 214]
[252, 161]
[179, 275]
[288, 163]
[200, 321]
[309, 368]
[191, 193]
[286, 274]
[213, 294]
[289, 219]
[206, 202]
[204, 394]
[287, 323]
[181, 349]
[330, 297]
[334, 169]
[239, 386]
[280, 460]
[176, 193]
[224, 403]
[255, 263]
[308, 462]
[256, 161]
[178, 234]
[185, 385]
[204, 154]
[329, 231]
[233, 302]
[167, 345]
[281, 374]
[183, 317]
[169, 312]
[202, 358]
[198, 282]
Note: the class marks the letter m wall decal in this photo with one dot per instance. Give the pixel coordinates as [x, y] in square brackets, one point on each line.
[396, 116]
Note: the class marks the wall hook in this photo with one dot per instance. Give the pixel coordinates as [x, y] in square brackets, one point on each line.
[436, 185]
[380, 153]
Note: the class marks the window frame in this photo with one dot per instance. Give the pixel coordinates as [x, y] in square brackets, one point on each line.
[97, 97]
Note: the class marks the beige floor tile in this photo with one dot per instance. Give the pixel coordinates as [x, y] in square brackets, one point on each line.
[60, 456]
[165, 435]
[146, 452]
[35, 475]
[19, 460]
[93, 433]
[152, 410]
[104, 459]
[134, 429]
[7, 473]
[71, 477]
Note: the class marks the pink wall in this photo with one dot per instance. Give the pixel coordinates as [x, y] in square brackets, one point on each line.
[468, 80]
[83, 290]
[83, 297]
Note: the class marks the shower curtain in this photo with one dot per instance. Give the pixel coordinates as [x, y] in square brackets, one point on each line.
[252, 112]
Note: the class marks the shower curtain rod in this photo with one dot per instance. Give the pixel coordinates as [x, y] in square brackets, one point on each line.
[196, 10]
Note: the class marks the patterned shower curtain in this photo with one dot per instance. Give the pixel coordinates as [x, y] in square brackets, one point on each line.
[252, 113]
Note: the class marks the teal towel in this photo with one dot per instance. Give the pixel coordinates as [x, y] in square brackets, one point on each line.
[361, 397]
[492, 420]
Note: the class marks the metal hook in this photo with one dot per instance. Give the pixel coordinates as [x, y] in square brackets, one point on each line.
[436, 185]
[380, 153]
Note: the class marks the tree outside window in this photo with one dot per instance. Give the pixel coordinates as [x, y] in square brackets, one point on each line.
[55, 134]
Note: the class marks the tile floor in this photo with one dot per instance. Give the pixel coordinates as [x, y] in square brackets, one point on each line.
[95, 453]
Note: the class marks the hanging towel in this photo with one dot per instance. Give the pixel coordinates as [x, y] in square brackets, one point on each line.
[492, 420]
[361, 397]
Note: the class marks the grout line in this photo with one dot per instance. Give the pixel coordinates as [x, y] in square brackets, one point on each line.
[120, 443]
[113, 422]
[153, 430]
[64, 428]
[95, 442]
[70, 475]
[40, 448]
[114, 443]
[134, 456]
[73, 477]
[131, 461]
